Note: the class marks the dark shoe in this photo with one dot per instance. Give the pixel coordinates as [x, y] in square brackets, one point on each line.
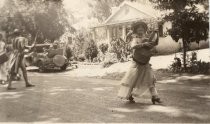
[156, 99]
[30, 85]
[10, 88]
[131, 99]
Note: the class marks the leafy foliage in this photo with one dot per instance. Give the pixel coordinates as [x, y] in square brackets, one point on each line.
[81, 57]
[45, 19]
[190, 21]
[103, 47]
[120, 47]
[176, 66]
[80, 43]
[102, 8]
[91, 51]
[69, 52]
[193, 65]
[107, 64]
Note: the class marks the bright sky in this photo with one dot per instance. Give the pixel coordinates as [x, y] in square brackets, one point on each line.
[77, 6]
[1, 2]
[81, 11]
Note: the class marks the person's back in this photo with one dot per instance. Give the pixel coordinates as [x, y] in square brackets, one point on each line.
[19, 44]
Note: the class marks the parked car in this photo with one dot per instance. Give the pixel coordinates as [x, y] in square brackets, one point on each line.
[47, 57]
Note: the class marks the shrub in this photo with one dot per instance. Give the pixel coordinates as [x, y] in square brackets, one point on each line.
[69, 52]
[95, 60]
[91, 50]
[79, 43]
[103, 47]
[176, 66]
[107, 64]
[120, 47]
[193, 65]
[81, 58]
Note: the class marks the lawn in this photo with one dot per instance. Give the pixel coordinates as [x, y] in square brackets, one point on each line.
[117, 70]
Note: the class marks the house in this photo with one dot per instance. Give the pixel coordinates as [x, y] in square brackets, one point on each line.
[121, 19]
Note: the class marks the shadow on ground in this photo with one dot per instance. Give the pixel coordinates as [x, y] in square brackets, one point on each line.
[65, 99]
[50, 70]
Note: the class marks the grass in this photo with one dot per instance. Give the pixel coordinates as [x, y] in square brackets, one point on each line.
[167, 46]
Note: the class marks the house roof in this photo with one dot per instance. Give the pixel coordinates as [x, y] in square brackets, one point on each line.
[143, 8]
[137, 12]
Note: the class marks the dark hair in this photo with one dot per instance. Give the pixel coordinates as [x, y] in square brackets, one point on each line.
[136, 25]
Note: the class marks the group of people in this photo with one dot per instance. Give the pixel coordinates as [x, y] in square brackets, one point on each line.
[138, 79]
[9, 69]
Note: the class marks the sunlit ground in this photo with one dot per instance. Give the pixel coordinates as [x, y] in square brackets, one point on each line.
[58, 97]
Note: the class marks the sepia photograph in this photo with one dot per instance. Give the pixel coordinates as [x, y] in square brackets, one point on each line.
[104, 61]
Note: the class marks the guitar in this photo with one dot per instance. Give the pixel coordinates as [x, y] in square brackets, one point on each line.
[143, 54]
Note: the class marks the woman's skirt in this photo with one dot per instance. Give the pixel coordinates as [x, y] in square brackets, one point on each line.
[3, 72]
[136, 81]
[14, 62]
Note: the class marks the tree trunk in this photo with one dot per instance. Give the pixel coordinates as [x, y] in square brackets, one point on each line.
[184, 55]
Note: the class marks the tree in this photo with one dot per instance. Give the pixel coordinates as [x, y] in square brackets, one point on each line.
[45, 19]
[102, 8]
[190, 21]
[80, 43]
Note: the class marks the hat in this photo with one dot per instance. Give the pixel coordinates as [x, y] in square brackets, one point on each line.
[16, 31]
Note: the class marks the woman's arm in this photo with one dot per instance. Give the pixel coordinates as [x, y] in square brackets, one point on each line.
[136, 45]
[154, 38]
[30, 48]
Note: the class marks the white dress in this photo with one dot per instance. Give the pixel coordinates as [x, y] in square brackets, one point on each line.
[138, 79]
[3, 67]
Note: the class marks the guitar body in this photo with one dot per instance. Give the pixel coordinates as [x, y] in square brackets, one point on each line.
[142, 55]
